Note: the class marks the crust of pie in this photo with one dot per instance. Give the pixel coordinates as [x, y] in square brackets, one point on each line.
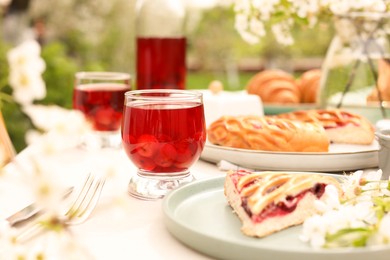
[341, 126]
[261, 193]
[267, 133]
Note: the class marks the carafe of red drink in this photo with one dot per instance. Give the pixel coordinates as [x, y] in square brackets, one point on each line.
[161, 44]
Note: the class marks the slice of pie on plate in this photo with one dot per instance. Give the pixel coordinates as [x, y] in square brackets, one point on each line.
[267, 202]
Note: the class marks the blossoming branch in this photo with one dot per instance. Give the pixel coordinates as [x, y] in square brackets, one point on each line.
[254, 16]
[361, 219]
[26, 68]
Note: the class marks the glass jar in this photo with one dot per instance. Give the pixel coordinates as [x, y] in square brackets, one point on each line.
[356, 70]
[161, 44]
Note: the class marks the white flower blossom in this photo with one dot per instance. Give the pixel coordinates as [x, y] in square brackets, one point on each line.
[345, 6]
[373, 175]
[329, 200]
[282, 32]
[27, 55]
[314, 231]
[9, 248]
[316, 228]
[257, 27]
[26, 68]
[46, 189]
[241, 23]
[266, 8]
[367, 186]
[58, 134]
[305, 8]
[55, 118]
[363, 219]
[52, 245]
[351, 185]
[383, 234]
[27, 86]
[384, 229]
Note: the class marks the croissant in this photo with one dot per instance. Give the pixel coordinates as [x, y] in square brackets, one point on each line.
[267, 133]
[274, 86]
[309, 85]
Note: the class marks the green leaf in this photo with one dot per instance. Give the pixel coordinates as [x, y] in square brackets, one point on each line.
[355, 237]
[382, 204]
[6, 97]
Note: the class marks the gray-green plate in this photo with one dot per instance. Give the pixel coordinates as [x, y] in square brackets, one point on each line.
[275, 109]
[198, 215]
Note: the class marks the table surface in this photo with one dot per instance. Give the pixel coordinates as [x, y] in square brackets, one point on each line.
[121, 227]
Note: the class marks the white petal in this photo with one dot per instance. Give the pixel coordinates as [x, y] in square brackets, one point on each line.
[384, 227]
[27, 86]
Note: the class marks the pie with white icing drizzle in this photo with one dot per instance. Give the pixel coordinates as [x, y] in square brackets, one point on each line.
[340, 125]
[268, 134]
[267, 202]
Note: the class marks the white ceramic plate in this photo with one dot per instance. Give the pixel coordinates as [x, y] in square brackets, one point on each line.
[339, 158]
[198, 215]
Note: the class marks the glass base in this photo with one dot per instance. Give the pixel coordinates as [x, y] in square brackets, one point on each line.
[101, 140]
[154, 187]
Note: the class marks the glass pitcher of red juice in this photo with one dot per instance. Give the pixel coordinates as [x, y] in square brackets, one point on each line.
[160, 44]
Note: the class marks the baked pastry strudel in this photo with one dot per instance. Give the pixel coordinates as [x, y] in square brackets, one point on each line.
[341, 126]
[267, 202]
[267, 133]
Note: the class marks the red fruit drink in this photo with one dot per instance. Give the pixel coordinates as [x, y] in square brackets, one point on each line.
[161, 63]
[164, 138]
[101, 103]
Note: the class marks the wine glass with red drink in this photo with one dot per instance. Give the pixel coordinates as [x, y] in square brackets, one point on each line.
[100, 97]
[163, 134]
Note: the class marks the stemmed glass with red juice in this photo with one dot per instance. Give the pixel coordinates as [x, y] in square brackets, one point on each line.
[100, 97]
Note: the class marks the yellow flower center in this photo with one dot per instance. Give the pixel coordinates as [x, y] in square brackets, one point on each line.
[24, 80]
[21, 60]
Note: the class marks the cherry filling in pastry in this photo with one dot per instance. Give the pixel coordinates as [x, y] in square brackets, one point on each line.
[283, 207]
[267, 202]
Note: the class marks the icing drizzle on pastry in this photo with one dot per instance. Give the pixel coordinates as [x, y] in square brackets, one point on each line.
[328, 118]
[268, 133]
[264, 188]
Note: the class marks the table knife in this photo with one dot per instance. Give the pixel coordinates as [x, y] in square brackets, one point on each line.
[30, 212]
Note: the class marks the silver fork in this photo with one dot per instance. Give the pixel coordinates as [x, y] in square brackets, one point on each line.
[78, 211]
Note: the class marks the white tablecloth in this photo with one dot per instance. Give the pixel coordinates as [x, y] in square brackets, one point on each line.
[121, 227]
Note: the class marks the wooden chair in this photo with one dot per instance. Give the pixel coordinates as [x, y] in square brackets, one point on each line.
[7, 150]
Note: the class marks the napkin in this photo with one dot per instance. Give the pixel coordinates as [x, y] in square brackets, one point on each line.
[233, 103]
[226, 166]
